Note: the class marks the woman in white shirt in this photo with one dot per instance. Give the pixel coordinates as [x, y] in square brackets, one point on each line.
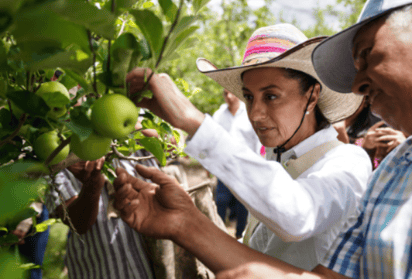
[303, 208]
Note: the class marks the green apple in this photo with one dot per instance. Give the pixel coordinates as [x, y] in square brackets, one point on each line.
[92, 148]
[57, 112]
[114, 116]
[55, 96]
[46, 143]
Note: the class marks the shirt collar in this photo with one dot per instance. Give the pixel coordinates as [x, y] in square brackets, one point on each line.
[304, 146]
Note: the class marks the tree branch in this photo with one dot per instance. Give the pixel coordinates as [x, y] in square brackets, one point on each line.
[89, 34]
[57, 150]
[130, 158]
[70, 160]
[9, 138]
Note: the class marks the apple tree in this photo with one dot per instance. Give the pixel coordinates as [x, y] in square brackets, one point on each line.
[63, 65]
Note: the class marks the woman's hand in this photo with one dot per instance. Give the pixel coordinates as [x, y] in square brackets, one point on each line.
[388, 138]
[371, 137]
[168, 102]
[383, 138]
[159, 210]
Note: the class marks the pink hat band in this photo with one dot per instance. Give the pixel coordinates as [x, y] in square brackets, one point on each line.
[268, 42]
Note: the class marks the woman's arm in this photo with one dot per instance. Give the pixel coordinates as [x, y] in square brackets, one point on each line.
[293, 209]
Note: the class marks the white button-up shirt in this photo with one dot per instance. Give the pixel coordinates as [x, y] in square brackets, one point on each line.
[238, 125]
[311, 208]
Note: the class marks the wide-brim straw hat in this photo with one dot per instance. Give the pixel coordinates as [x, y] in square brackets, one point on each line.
[332, 59]
[282, 46]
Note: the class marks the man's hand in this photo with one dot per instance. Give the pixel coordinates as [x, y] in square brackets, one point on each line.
[159, 210]
[89, 173]
[168, 102]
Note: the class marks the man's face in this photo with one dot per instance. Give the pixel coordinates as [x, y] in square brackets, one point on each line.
[383, 60]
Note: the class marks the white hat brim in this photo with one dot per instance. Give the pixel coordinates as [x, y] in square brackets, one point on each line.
[334, 106]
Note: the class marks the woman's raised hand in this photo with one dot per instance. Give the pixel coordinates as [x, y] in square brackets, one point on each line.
[168, 102]
[158, 209]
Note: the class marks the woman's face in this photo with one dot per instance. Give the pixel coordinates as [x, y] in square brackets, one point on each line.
[275, 106]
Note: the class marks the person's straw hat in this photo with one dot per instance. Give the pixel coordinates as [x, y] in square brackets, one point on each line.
[332, 59]
[282, 46]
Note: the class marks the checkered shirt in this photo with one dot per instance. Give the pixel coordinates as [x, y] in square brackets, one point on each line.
[378, 243]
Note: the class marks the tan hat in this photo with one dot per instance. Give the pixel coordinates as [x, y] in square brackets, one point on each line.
[282, 46]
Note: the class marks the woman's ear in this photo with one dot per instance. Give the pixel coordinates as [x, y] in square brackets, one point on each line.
[314, 98]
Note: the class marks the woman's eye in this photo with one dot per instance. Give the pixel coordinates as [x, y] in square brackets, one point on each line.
[247, 97]
[271, 97]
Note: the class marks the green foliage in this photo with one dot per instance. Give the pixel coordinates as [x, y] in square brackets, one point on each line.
[94, 44]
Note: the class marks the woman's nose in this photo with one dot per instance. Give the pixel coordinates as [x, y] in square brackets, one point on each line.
[257, 111]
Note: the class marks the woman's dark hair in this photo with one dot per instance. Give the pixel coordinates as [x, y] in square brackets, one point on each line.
[306, 81]
[362, 123]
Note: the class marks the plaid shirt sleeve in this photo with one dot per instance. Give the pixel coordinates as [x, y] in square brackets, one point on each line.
[344, 255]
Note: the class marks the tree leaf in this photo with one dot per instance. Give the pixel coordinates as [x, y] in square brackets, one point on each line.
[76, 60]
[184, 23]
[9, 239]
[9, 268]
[3, 57]
[14, 221]
[177, 41]
[124, 52]
[48, 30]
[16, 189]
[100, 21]
[198, 4]
[83, 83]
[29, 102]
[121, 6]
[169, 9]
[6, 20]
[80, 123]
[29, 266]
[43, 226]
[154, 146]
[166, 127]
[151, 27]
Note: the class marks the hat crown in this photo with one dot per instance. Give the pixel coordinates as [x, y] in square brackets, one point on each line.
[376, 7]
[271, 41]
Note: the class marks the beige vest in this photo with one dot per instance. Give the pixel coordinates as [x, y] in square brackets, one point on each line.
[294, 167]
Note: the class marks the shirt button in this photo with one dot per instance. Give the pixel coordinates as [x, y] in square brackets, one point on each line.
[202, 155]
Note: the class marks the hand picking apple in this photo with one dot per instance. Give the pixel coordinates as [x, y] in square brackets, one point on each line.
[168, 102]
